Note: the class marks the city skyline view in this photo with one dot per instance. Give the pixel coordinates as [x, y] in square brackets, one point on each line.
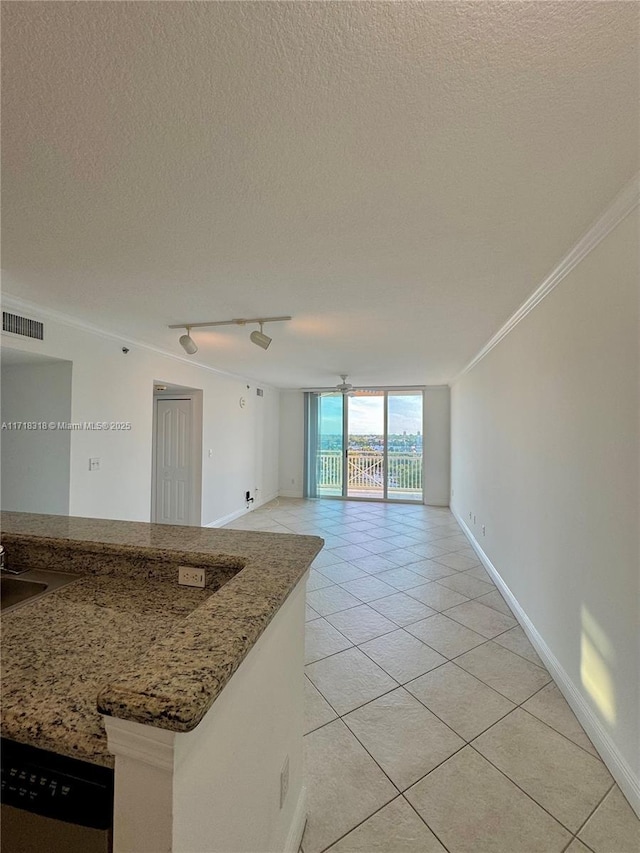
[366, 414]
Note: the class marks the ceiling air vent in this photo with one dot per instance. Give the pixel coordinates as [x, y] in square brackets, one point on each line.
[22, 326]
[259, 392]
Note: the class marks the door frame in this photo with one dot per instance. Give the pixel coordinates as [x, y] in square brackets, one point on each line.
[195, 396]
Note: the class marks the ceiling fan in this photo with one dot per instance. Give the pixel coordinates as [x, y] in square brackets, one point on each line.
[344, 387]
[349, 390]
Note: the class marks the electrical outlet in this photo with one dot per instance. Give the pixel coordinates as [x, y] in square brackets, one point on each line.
[188, 576]
[474, 519]
[284, 781]
[470, 516]
[94, 463]
[484, 530]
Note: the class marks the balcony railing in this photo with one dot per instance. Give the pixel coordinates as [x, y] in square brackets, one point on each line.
[365, 473]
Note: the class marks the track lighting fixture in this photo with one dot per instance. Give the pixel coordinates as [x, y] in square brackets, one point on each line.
[260, 339]
[257, 337]
[187, 343]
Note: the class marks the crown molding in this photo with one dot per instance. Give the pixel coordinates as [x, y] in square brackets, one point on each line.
[622, 205]
[15, 303]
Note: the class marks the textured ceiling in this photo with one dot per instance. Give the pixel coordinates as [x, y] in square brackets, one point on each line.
[397, 176]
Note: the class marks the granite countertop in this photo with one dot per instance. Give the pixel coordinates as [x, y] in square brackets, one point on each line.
[125, 639]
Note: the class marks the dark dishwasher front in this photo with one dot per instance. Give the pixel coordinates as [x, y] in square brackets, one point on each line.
[54, 803]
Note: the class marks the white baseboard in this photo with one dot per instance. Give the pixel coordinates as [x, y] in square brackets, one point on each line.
[289, 493]
[618, 766]
[227, 519]
[296, 831]
[266, 499]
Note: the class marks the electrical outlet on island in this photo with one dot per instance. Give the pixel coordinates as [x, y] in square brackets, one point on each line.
[188, 576]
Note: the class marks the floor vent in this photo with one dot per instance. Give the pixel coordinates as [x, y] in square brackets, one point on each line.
[259, 392]
[22, 326]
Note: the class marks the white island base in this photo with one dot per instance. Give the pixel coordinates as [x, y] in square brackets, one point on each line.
[217, 789]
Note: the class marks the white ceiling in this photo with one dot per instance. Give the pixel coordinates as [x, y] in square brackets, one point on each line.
[397, 176]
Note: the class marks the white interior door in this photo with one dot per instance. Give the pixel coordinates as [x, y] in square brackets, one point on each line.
[174, 473]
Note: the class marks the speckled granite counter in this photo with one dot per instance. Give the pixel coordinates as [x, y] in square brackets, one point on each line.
[125, 639]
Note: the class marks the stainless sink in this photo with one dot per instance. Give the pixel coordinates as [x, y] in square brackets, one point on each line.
[30, 585]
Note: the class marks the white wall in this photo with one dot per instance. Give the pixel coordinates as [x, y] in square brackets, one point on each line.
[216, 789]
[108, 385]
[35, 463]
[291, 469]
[545, 453]
[437, 445]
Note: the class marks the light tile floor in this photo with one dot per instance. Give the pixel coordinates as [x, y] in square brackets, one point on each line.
[432, 724]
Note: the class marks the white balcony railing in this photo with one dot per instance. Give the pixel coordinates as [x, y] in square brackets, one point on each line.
[365, 472]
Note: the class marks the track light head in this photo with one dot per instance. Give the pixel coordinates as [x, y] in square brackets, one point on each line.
[260, 339]
[188, 344]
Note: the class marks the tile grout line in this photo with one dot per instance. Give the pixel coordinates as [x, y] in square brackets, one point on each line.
[337, 840]
[401, 792]
[467, 742]
[486, 684]
[386, 693]
[357, 708]
[441, 612]
[399, 797]
[402, 684]
[562, 734]
[332, 654]
[433, 669]
[447, 660]
[424, 821]
[362, 642]
[544, 808]
[411, 547]
[596, 807]
[403, 628]
[491, 687]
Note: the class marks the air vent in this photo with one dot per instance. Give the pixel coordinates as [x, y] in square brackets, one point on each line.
[259, 392]
[22, 326]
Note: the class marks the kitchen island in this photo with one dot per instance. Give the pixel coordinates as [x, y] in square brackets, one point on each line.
[194, 695]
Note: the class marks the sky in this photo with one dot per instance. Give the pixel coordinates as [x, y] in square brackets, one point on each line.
[366, 414]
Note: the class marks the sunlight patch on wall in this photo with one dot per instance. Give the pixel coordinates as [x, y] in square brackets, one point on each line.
[597, 658]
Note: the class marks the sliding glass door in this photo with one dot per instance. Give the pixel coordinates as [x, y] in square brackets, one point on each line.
[404, 446]
[366, 445]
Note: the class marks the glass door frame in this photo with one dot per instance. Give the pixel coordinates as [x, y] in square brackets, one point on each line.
[311, 446]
